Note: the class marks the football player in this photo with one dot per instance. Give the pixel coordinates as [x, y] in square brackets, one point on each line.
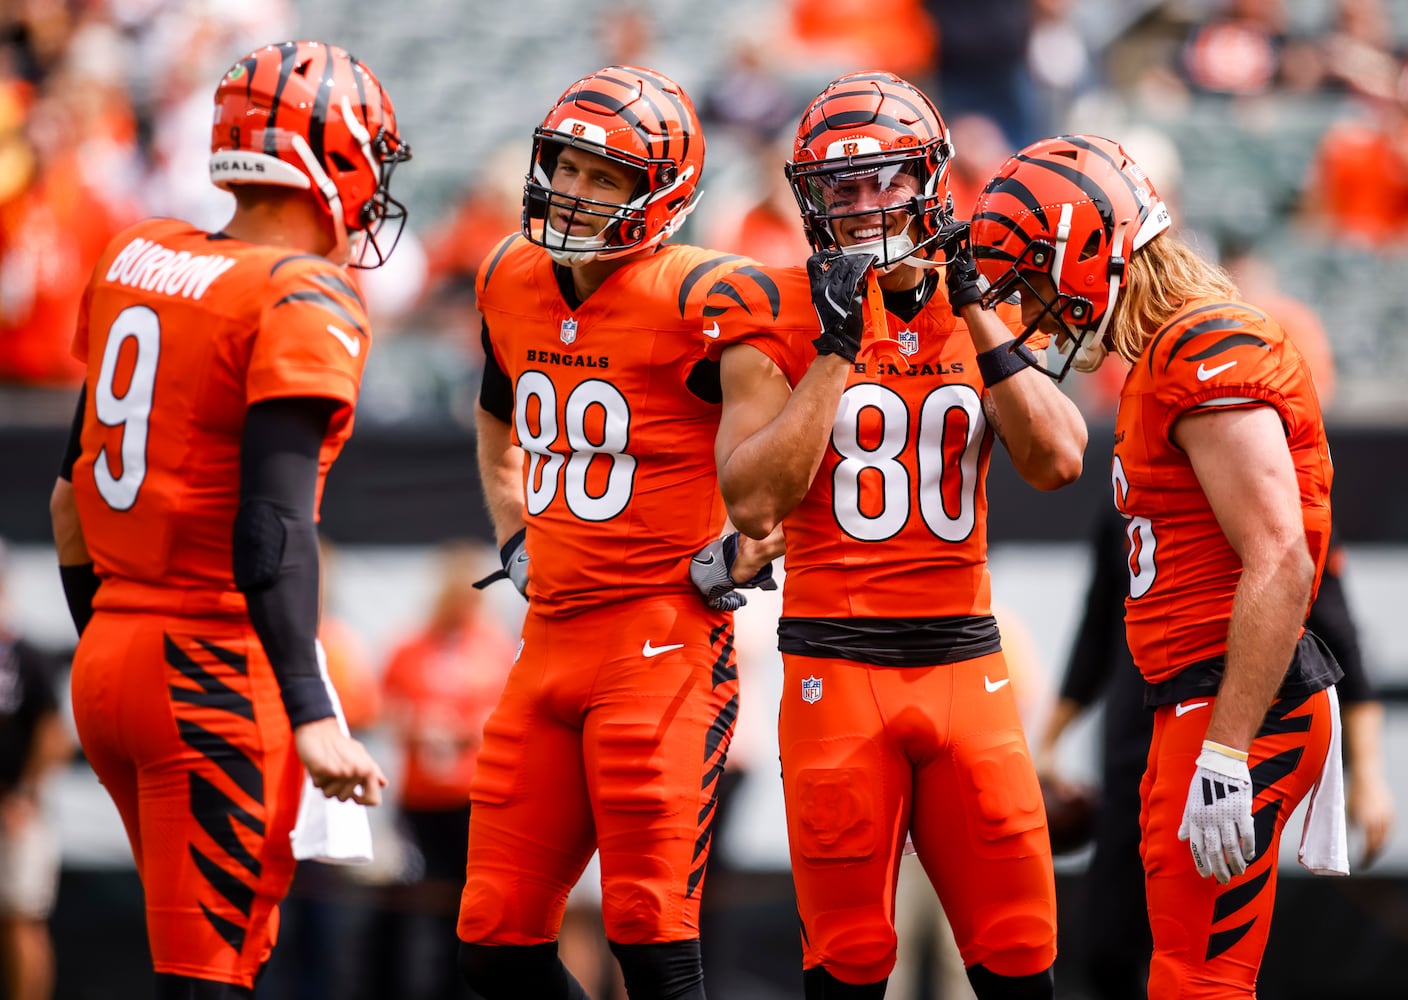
[872, 438]
[1222, 471]
[222, 375]
[596, 422]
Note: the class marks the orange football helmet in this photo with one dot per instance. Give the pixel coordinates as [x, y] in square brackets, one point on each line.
[1074, 207]
[310, 115]
[871, 144]
[635, 117]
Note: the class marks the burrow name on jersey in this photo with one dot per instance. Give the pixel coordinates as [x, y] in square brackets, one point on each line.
[569, 360]
[148, 265]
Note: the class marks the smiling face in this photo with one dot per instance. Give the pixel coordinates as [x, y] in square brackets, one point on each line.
[873, 205]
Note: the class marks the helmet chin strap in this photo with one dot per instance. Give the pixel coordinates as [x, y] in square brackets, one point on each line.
[342, 249]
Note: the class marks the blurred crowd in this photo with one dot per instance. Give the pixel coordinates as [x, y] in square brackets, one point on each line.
[103, 119]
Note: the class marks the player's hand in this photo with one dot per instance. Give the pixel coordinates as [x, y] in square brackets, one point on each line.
[340, 766]
[960, 272]
[514, 556]
[838, 295]
[711, 570]
[1369, 804]
[1217, 820]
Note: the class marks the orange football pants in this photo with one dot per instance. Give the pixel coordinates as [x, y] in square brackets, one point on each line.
[611, 734]
[182, 722]
[1209, 938]
[872, 753]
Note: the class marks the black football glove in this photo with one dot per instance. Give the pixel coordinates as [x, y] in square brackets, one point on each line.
[711, 570]
[838, 294]
[514, 556]
[961, 274]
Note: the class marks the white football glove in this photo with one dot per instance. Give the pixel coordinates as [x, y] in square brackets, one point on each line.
[1217, 819]
[711, 570]
[514, 556]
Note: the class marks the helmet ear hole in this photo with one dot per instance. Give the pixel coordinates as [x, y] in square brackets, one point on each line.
[340, 162]
[1092, 246]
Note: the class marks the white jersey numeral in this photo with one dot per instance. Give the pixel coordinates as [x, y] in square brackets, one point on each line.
[948, 476]
[597, 423]
[130, 411]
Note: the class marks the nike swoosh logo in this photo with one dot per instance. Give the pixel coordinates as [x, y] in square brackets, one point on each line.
[1180, 709]
[353, 345]
[840, 310]
[995, 685]
[707, 560]
[649, 650]
[521, 559]
[1206, 373]
[713, 333]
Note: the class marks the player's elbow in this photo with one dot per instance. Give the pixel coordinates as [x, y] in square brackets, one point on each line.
[752, 519]
[1056, 469]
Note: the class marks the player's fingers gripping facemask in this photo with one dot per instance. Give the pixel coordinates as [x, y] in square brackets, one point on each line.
[311, 116]
[634, 127]
[1069, 211]
[869, 170]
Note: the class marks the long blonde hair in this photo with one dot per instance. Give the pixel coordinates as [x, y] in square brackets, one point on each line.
[1158, 279]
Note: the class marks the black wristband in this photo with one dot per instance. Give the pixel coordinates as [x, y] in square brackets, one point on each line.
[80, 587]
[1003, 361]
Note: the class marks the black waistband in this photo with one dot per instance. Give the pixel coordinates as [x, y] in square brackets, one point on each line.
[891, 642]
[1313, 668]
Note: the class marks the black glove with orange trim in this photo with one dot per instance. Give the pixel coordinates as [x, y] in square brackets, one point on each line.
[838, 295]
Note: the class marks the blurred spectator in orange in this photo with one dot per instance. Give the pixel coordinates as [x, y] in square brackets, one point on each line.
[895, 35]
[440, 685]
[980, 147]
[490, 206]
[53, 225]
[1357, 193]
[767, 225]
[349, 666]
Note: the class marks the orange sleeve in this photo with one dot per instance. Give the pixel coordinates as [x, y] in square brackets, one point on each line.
[313, 335]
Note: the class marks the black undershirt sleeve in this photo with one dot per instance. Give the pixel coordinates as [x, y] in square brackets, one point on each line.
[1330, 619]
[1100, 645]
[275, 533]
[495, 390]
[75, 437]
[80, 581]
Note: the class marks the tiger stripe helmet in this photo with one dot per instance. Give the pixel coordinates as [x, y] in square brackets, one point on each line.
[1073, 207]
[309, 115]
[635, 117]
[878, 128]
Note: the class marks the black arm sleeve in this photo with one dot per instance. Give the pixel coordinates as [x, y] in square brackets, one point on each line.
[1330, 619]
[275, 553]
[80, 581]
[495, 390]
[1100, 647]
[75, 437]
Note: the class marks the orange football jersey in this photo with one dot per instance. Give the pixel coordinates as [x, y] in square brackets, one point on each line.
[620, 485]
[1183, 571]
[895, 522]
[181, 332]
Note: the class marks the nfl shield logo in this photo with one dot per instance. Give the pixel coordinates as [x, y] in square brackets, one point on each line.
[569, 331]
[811, 690]
[909, 342]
